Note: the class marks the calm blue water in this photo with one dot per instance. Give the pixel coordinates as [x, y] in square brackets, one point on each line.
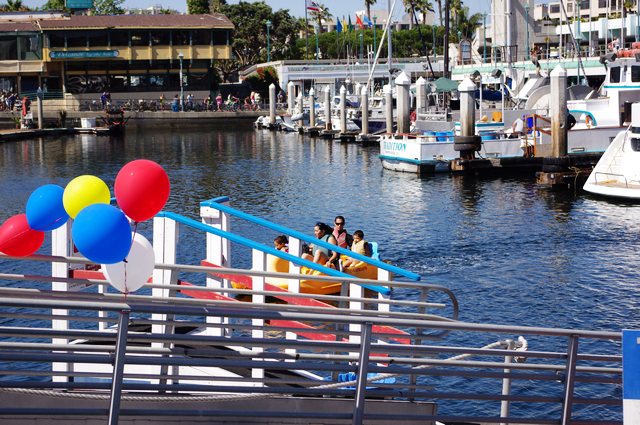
[512, 253]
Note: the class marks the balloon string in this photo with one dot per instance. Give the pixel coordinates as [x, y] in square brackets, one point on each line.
[135, 230]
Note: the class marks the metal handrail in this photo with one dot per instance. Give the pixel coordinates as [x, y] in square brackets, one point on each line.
[216, 203]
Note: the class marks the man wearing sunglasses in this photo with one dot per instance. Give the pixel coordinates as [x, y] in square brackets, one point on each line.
[343, 238]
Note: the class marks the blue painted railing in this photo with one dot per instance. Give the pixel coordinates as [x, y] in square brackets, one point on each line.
[266, 249]
[216, 203]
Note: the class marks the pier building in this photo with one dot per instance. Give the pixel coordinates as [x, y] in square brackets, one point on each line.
[74, 58]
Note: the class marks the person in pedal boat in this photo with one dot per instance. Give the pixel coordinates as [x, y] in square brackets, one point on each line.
[320, 254]
[360, 246]
[343, 238]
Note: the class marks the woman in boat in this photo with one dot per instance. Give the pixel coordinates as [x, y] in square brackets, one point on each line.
[322, 255]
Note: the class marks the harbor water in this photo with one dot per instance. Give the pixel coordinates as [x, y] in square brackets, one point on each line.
[511, 252]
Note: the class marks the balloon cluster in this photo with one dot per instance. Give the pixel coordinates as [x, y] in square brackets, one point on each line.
[100, 232]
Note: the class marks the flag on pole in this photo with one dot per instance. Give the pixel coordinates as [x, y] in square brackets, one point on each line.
[338, 25]
[345, 28]
[350, 24]
[359, 22]
[367, 21]
[312, 5]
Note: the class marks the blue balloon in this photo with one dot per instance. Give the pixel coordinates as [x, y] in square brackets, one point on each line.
[45, 210]
[102, 234]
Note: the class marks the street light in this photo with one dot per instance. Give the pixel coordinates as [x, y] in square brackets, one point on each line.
[317, 28]
[484, 31]
[181, 56]
[526, 9]
[375, 48]
[268, 23]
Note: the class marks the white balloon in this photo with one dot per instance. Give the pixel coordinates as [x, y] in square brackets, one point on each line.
[131, 274]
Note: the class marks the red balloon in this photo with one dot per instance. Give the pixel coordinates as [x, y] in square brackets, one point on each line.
[17, 239]
[142, 189]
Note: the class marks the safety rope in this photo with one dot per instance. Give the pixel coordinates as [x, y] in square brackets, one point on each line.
[521, 345]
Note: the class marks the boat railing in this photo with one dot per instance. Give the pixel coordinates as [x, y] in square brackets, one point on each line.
[231, 361]
[620, 176]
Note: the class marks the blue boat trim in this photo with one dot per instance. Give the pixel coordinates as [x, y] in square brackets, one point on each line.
[266, 249]
[414, 161]
[215, 204]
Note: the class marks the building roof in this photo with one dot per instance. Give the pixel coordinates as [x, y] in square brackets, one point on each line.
[78, 22]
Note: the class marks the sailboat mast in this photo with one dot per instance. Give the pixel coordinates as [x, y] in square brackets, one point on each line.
[446, 38]
[389, 50]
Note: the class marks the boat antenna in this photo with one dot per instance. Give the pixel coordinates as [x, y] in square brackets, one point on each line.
[386, 28]
[576, 46]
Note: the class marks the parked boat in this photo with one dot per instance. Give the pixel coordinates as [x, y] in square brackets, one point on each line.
[617, 173]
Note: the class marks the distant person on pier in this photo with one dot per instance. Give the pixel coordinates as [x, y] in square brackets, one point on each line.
[517, 128]
[343, 238]
[219, 101]
[175, 105]
[320, 254]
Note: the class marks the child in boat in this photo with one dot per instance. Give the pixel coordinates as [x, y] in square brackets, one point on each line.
[281, 243]
[359, 246]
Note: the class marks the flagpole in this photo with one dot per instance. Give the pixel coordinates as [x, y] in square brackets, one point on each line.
[306, 30]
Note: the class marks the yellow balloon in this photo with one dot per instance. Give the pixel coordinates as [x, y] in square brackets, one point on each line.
[84, 191]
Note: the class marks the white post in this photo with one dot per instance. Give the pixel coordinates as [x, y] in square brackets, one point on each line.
[343, 109]
[421, 96]
[467, 90]
[506, 383]
[364, 106]
[300, 106]
[558, 111]
[312, 107]
[327, 109]
[272, 104]
[388, 104]
[61, 245]
[165, 241]
[290, 96]
[259, 263]
[403, 83]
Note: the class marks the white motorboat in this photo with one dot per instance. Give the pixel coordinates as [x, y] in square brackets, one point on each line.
[617, 173]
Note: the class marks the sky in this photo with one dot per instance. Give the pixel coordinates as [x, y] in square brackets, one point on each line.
[296, 7]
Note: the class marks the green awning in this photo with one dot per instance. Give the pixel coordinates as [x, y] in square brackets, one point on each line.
[445, 85]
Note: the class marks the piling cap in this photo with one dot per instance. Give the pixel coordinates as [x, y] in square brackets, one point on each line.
[467, 85]
[403, 79]
[311, 91]
[559, 71]
[343, 89]
[421, 81]
[386, 89]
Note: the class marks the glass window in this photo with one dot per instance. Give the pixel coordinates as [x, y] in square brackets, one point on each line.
[86, 83]
[117, 82]
[8, 84]
[29, 47]
[220, 37]
[614, 74]
[76, 40]
[139, 38]
[98, 38]
[138, 81]
[161, 38]
[119, 38]
[201, 37]
[554, 8]
[157, 81]
[8, 48]
[180, 38]
[56, 39]
[635, 74]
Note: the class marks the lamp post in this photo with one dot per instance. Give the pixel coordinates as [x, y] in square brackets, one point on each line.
[375, 48]
[526, 9]
[484, 35]
[361, 45]
[268, 23]
[317, 47]
[181, 56]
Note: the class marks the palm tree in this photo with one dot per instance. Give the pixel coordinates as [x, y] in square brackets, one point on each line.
[367, 4]
[419, 6]
[320, 15]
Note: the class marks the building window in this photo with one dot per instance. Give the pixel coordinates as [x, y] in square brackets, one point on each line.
[614, 74]
[201, 37]
[76, 39]
[97, 38]
[219, 38]
[554, 8]
[180, 38]
[8, 48]
[635, 74]
[119, 38]
[139, 38]
[160, 38]
[56, 40]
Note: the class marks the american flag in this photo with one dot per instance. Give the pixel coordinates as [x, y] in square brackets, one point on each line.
[312, 5]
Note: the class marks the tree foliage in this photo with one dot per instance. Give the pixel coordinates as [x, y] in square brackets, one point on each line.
[197, 7]
[54, 5]
[250, 35]
[13, 6]
[107, 7]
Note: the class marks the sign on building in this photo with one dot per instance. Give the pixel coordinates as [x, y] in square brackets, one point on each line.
[631, 377]
[79, 4]
[83, 54]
